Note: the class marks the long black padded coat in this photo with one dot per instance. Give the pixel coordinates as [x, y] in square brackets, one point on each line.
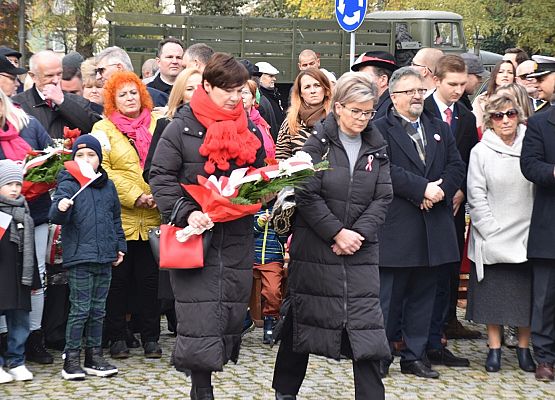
[210, 302]
[328, 293]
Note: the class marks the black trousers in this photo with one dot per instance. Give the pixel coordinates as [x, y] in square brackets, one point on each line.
[543, 311]
[290, 368]
[407, 296]
[140, 268]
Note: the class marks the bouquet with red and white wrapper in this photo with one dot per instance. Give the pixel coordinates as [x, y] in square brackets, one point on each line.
[41, 167]
[229, 198]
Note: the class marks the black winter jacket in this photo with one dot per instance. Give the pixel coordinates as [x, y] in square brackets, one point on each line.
[210, 302]
[328, 293]
[91, 228]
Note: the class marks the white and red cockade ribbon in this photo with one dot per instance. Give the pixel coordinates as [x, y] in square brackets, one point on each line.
[369, 165]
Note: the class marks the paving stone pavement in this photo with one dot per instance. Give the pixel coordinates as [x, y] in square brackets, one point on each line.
[251, 378]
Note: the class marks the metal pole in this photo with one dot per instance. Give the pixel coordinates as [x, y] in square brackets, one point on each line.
[352, 50]
[22, 34]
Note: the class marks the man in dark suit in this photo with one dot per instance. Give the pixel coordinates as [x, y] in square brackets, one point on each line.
[537, 162]
[418, 236]
[450, 78]
[378, 65]
[544, 80]
[46, 101]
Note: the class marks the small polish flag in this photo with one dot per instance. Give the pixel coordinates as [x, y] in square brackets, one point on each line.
[83, 172]
[5, 220]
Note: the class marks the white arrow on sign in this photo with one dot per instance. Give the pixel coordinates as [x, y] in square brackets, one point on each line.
[348, 19]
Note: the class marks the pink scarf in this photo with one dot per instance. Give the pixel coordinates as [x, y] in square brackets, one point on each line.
[136, 129]
[264, 129]
[13, 146]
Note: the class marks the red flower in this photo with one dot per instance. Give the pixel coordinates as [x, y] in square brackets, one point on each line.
[70, 135]
[264, 176]
[33, 153]
[271, 161]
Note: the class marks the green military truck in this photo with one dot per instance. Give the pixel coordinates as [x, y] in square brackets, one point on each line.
[279, 41]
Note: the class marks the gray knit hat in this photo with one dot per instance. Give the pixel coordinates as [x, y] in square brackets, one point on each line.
[10, 172]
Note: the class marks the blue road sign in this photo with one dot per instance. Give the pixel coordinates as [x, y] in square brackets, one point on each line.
[350, 14]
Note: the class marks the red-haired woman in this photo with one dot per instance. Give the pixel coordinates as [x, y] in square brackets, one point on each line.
[310, 102]
[125, 134]
[209, 136]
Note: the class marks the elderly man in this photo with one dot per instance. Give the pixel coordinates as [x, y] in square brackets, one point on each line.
[197, 56]
[308, 59]
[268, 76]
[13, 56]
[378, 65]
[537, 162]
[8, 76]
[418, 236]
[425, 61]
[113, 59]
[46, 101]
[169, 60]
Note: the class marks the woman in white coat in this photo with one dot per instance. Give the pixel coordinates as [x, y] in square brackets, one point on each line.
[500, 199]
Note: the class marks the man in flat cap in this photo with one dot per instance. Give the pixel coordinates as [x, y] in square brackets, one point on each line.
[537, 162]
[267, 73]
[8, 76]
[378, 65]
[13, 56]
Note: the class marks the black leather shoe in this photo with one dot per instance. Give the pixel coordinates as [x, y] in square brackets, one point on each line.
[384, 367]
[119, 349]
[152, 350]
[281, 396]
[445, 357]
[525, 360]
[493, 362]
[418, 368]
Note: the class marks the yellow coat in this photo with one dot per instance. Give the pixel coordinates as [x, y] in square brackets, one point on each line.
[121, 162]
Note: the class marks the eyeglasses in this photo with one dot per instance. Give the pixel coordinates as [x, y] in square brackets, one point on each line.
[356, 113]
[100, 70]
[498, 116]
[13, 78]
[412, 92]
[413, 64]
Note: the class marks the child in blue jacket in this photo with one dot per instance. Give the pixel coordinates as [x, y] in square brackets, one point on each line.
[92, 242]
[268, 259]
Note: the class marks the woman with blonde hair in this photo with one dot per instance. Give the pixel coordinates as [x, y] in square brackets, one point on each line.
[310, 103]
[125, 135]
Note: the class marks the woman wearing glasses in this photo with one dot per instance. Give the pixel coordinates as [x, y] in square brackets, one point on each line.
[332, 306]
[500, 199]
[310, 102]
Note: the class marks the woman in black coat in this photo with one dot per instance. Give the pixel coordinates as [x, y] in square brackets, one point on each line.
[332, 306]
[210, 302]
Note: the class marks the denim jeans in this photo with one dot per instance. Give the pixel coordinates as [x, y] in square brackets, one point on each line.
[18, 331]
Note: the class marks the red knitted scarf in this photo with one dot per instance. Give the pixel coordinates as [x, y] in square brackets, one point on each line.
[227, 134]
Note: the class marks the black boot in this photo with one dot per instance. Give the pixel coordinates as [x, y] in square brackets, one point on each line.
[281, 396]
[269, 324]
[35, 351]
[72, 370]
[525, 360]
[493, 362]
[95, 364]
[198, 393]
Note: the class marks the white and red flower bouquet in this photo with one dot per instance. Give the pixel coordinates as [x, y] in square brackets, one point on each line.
[41, 167]
[229, 198]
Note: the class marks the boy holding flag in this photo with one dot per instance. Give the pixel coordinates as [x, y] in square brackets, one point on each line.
[18, 269]
[86, 204]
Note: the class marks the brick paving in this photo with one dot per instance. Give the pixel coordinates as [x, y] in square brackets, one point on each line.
[251, 378]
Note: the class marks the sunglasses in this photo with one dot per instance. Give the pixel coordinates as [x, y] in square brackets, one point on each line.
[498, 116]
[101, 70]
